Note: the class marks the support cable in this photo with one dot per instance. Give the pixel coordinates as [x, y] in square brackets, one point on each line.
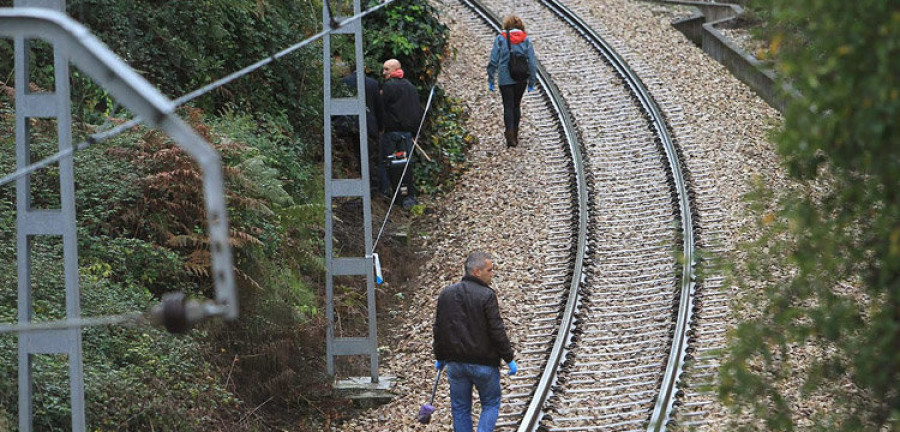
[176, 313]
[123, 319]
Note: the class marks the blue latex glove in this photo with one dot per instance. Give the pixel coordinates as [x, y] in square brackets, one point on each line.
[439, 364]
[530, 88]
[513, 368]
[491, 86]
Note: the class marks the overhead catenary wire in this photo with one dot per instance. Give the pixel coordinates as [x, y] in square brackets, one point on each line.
[110, 133]
[91, 140]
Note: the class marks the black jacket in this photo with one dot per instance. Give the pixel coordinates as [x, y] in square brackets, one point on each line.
[468, 327]
[402, 110]
[374, 105]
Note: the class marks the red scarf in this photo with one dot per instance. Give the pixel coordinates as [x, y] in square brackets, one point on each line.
[516, 36]
[397, 74]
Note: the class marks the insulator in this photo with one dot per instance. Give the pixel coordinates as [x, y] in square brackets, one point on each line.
[174, 313]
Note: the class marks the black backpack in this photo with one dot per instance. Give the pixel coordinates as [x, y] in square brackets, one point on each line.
[519, 69]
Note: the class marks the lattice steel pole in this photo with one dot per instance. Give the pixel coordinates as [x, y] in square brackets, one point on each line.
[73, 43]
[358, 187]
[55, 222]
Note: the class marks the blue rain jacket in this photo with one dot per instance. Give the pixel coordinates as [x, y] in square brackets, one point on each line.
[499, 64]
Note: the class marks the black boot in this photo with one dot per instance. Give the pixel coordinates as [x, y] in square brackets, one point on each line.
[515, 137]
[510, 138]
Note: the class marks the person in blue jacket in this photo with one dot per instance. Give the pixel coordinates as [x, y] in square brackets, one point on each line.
[513, 37]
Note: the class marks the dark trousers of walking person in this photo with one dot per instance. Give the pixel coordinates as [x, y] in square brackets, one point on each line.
[486, 379]
[512, 111]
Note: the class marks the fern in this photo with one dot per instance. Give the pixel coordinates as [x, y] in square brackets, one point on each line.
[170, 212]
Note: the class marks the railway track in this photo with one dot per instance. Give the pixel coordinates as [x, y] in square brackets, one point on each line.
[610, 327]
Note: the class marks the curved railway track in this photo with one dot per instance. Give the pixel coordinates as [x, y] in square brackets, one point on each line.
[611, 322]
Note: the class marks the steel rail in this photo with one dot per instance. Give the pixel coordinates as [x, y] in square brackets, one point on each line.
[675, 364]
[534, 412]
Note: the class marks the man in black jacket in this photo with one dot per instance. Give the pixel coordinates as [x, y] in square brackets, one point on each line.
[470, 339]
[402, 114]
[374, 120]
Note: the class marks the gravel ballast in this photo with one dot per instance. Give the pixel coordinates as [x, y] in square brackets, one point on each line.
[500, 206]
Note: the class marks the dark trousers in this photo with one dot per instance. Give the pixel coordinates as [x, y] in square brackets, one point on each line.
[390, 143]
[512, 104]
[375, 165]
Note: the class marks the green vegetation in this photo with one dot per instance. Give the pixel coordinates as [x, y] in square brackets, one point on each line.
[409, 31]
[181, 48]
[837, 236]
[141, 223]
[134, 377]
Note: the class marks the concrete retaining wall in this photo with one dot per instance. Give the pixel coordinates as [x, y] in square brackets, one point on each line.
[701, 29]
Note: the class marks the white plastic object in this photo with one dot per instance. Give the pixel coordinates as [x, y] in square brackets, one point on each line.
[378, 279]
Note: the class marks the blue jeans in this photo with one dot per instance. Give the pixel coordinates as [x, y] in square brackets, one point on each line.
[463, 376]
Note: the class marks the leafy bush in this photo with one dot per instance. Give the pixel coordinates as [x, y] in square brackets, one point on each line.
[445, 140]
[170, 212]
[181, 48]
[135, 378]
[837, 236]
[127, 260]
[272, 138]
[409, 31]
[6, 419]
